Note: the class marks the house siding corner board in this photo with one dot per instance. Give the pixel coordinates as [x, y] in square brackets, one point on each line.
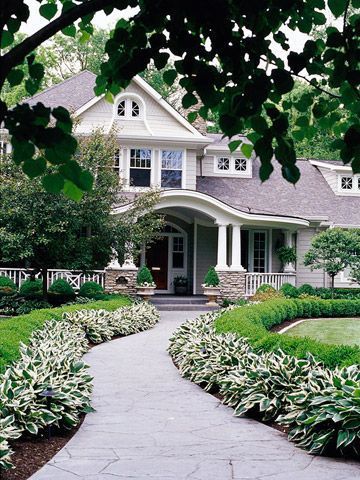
[206, 253]
[316, 278]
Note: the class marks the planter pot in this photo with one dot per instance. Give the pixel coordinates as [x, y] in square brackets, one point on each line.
[145, 292]
[212, 293]
[180, 290]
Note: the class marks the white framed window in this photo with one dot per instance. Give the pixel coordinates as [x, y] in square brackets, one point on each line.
[346, 183]
[140, 167]
[178, 252]
[129, 108]
[349, 184]
[171, 168]
[232, 165]
[117, 162]
[223, 164]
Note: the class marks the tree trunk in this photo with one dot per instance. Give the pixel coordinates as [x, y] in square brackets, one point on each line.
[44, 272]
[332, 286]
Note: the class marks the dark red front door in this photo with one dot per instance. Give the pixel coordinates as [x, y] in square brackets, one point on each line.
[157, 261]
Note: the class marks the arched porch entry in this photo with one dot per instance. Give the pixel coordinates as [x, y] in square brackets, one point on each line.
[202, 231]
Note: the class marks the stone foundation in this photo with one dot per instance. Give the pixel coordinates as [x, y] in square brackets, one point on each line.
[121, 281]
[232, 285]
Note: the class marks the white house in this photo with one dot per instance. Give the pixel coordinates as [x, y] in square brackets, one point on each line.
[217, 211]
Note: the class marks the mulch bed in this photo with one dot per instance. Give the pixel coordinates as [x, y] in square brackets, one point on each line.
[31, 453]
[287, 323]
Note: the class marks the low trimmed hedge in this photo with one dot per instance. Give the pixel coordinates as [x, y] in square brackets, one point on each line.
[19, 329]
[255, 321]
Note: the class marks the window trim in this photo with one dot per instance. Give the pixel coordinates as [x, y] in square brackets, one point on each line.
[232, 170]
[354, 190]
[182, 169]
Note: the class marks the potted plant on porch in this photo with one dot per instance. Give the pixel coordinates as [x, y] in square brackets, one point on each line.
[180, 285]
[145, 285]
[211, 286]
[287, 256]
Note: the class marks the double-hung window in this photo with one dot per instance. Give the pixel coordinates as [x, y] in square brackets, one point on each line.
[171, 168]
[140, 167]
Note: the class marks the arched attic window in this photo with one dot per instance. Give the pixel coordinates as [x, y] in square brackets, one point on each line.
[129, 108]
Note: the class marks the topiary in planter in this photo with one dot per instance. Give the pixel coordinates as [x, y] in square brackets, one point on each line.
[7, 286]
[211, 278]
[31, 289]
[144, 277]
[90, 290]
[60, 292]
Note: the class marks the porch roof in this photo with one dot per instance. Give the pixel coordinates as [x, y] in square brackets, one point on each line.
[217, 210]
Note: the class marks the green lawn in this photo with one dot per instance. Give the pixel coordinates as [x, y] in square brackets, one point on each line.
[18, 329]
[341, 331]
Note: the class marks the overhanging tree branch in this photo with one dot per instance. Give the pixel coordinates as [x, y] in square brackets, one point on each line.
[18, 54]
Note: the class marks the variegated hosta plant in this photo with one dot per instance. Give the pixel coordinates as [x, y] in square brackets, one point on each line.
[101, 325]
[8, 431]
[324, 413]
[320, 407]
[52, 358]
[262, 382]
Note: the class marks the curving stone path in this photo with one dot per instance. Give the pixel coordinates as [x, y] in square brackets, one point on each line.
[152, 424]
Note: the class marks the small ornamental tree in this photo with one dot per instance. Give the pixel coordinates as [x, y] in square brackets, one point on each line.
[211, 278]
[331, 251]
[144, 277]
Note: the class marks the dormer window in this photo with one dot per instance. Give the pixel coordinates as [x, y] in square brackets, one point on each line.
[129, 108]
[346, 183]
[121, 108]
[232, 166]
[223, 163]
[135, 109]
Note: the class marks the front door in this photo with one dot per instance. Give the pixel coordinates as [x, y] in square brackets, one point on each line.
[157, 261]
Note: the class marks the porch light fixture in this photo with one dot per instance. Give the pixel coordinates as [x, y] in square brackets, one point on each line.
[49, 393]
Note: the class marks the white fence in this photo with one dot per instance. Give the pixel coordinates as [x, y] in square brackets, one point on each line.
[74, 277]
[276, 280]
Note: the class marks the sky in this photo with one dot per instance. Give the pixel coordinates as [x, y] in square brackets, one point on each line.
[296, 39]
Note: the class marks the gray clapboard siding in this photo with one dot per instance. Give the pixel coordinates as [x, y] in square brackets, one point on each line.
[331, 177]
[315, 278]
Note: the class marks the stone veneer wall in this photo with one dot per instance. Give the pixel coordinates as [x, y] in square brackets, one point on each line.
[121, 281]
[232, 285]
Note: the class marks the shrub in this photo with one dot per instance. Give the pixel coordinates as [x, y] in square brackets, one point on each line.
[7, 286]
[320, 407]
[211, 278]
[16, 305]
[90, 290]
[265, 287]
[144, 277]
[53, 357]
[306, 289]
[60, 291]
[289, 290]
[32, 289]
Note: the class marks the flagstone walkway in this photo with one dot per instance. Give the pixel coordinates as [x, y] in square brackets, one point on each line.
[152, 424]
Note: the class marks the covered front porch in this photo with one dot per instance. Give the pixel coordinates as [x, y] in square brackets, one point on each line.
[201, 231]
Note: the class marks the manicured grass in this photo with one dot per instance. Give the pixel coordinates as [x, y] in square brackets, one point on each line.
[339, 331]
[256, 321]
[18, 329]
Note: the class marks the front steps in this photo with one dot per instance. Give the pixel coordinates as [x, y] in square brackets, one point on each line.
[181, 303]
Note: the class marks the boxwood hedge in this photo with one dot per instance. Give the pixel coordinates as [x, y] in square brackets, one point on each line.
[19, 329]
[255, 321]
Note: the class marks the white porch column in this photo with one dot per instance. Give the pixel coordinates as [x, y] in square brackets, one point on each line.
[289, 267]
[236, 249]
[222, 248]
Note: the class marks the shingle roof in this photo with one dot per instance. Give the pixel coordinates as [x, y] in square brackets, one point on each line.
[311, 197]
[72, 93]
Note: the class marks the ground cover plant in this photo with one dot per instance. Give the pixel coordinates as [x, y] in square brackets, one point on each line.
[319, 406]
[52, 358]
[18, 329]
[344, 331]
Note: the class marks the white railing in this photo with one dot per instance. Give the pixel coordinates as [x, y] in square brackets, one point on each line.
[276, 280]
[75, 277]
